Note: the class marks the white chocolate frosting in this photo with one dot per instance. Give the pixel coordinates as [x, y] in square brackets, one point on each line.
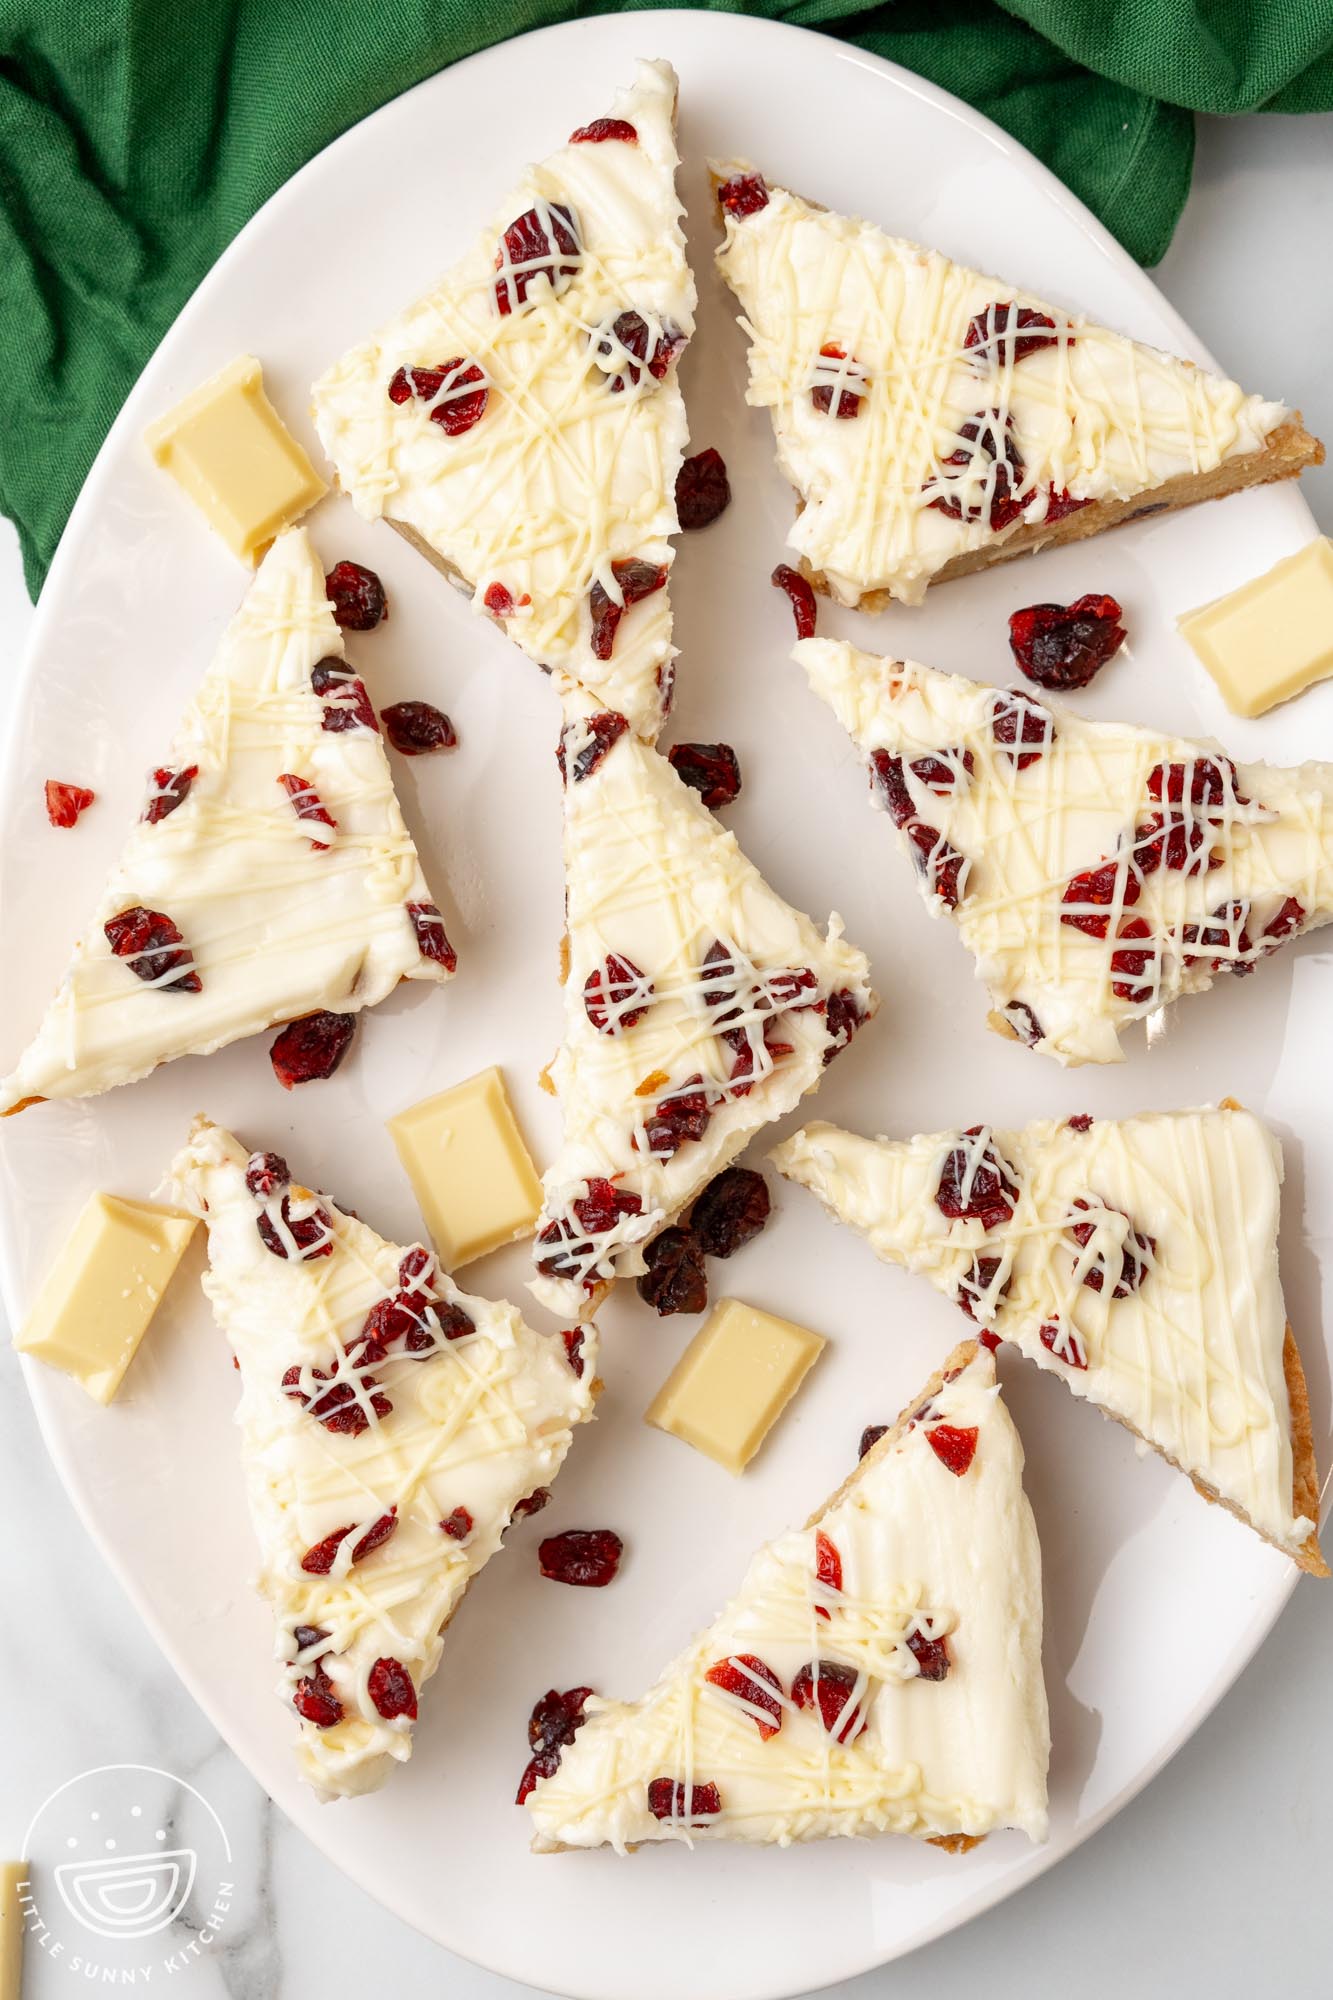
[281, 914]
[655, 882]
[1068, 973]
[1091, 415]
[481, 1416]
[563, 474]
[1181, 1220]
[925, 1553]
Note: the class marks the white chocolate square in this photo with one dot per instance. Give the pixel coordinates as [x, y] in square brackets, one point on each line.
[12, 1873]
[230, 450]
[733, 1382]
[103, 1289]
[474, 1178]
[1273, 637]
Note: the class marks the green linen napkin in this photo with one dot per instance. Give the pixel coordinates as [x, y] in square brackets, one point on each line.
[136, 136]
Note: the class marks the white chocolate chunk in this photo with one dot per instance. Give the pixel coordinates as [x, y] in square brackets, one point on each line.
[475, 1182]
[733, 1382]
[1273, 637]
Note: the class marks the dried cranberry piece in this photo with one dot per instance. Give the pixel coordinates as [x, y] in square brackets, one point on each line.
[319, 1560]
[458, 1525]
[1136, 1254]
[1092, 898]
[850, 383]
[415, 728]
[977, 1184]
[588, 1558]
[954, 1445]
[376, 1535]
[743, 194]
[843, 1016]
[1081, 1121]
[1290, 918]
[307, 1636]
[801, 593]
[990, 1341]
[428, 929]
[532, 1503]
[457, 391]
[1023, 1022]
[1212, 782]
[974, 1287]
[931, 1656]
[1016, 722]
[603, 129]
[1009, 332]
[828, 1686]
[731, 1211]
[312, 1234]
[627, 347]
[888, 786]
[943, 770]
[1133, 963]
[703, 490]
[554, 1722]
[1064, 645]
[594, 1214]
[1178, 839]
[683, 1114]
[265, 1173]
[573, 1338]
[710, 769]
[635, 580]
[307, 804]
[616, 995]
[357, 596]
[453, 1323]
[601, 734]
[828, 1568]
[1060, 503]
[315, 1701]
[348, 705]
[390, 1688]
[939, 861]
[870, 1437]
[312, 1048]
[499, 601]
[541, 244]
[153, 947]
[675, 1280]
[168, 789]
[990, 432]
[1063, 1342]
[65, 802]
[755, 1685]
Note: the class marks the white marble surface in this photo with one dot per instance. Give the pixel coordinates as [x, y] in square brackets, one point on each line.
[1215, 1878]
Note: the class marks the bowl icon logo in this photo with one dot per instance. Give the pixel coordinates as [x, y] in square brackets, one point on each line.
[133, 1895]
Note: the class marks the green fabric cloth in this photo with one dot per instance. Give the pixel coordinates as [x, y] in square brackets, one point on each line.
[137, 136]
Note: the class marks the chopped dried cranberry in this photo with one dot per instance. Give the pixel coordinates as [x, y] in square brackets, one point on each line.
[990, 1341]
[319, 1560]
[828, 1566]
[1063, 1342]
[616, 995]
[828, 1686]
[311, 1234]
[312, 1048]
[675, 1280]
[710, 769]
[555, 1721]
[1289, 919]
[635, 580]
[541, 1764]
[1060, 503]
[357, 597]
[703, 490]
[586, 1557]
[541, 244]
[1064, 645]
[573, 1338]
[307, 804]
[603, 129]
[977, 1184]
[682, 1115]
[743, 194]
[1176, 838]
[731, 1211]
[1016, 722]
[594, 1214]
[628, 346]
[1212, 782]
[376, 1535]
[870, 1437]
[168, 789]
[1135, 1257]
[315, 1701]
[428, 929]
[417, 727]
[457, 391]
[499, 601]
[1224, 939]
[1093, 898]
[1012, 332]
[307, 1636]
[931, 1655]
[265, 1173]
[65, 802]
[339, 1409]
[939, 861]
[1023, 1022]
[990, 434]
[974, 1287]
[666, 1800]
[849, 381]
[532, 1503]
[1080, 1122]
[943, 770]
[390, 1688]
[801, 593]
[600, 733]
[842, 1016]
[154, 948]
[1132, 964]
[348, 704]
[454, 1323]
[458, 1525]
[954, 1445]
[888, 786]
[753, 1684]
